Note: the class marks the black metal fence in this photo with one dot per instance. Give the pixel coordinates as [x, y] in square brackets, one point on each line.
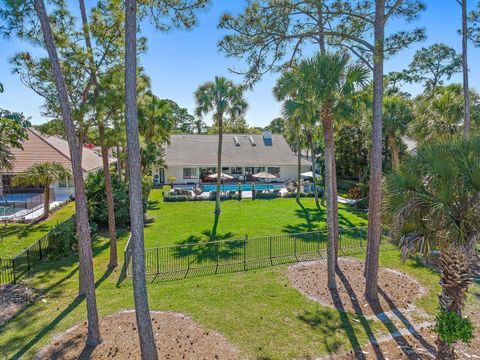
[181, 261]
[12, 269]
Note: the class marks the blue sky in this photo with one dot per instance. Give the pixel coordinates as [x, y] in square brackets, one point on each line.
[179, 61]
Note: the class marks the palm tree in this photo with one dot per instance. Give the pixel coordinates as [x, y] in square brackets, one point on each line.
[148, 349]
[154, 118]
[433, 198]
[397, 114]
[332, 82]
[44, 175]
[222, 97]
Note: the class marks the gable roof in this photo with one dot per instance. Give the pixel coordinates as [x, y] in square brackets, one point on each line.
[40, 148]
[201, 150]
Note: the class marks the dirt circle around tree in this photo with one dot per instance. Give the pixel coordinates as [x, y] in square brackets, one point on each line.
[12, 297]
[177, 336]
[396, 289]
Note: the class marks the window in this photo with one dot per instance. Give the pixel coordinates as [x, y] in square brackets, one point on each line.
[274, 171]
[189, 173]
[66, 183]
[225, 169]
[236, 171]
[259, 169]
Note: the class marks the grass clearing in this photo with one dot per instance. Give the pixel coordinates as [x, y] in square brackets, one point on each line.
[16, 237]
[257, 311]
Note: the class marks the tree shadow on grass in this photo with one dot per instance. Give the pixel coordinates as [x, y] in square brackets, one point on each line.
[153, 205]
[72, 306]
[313, 217]
[21, 230]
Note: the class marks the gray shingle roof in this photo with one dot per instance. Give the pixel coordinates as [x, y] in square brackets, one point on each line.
[201, 150]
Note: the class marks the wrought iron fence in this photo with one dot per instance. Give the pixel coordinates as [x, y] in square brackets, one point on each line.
[212, 257]
[12, 269]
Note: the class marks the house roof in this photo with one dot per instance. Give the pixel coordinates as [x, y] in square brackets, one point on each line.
[201, 150]
[40, 148]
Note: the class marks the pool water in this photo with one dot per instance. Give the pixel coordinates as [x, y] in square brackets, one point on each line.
[234, 187]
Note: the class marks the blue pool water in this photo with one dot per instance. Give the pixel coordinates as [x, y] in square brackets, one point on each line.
[234, 187]
[17, 197]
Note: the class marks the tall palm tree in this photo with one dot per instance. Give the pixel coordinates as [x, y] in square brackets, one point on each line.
[148, 349]
[332, 82]
[397, 114]
[223, 98]
[86, 283]
[44, 175]
[154, 118]
[433, 198]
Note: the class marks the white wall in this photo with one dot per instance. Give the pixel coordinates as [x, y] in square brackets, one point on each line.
[286, 173]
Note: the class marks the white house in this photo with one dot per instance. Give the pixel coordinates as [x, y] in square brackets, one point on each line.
[40, 148]
[191, 158]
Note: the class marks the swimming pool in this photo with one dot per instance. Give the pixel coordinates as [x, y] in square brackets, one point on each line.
[234, 187]
[18, 197]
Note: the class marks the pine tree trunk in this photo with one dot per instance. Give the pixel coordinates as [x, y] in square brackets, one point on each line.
[83, 227]
[219, 163]
[299, 169]
[392, 142]
[466, 96]
[328, 141]
[145, 332]
[375, 196]
[46, 201]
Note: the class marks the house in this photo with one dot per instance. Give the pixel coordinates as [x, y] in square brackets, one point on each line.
[39, 148]
[191, 158]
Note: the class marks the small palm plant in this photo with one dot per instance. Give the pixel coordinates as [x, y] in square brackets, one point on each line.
[433, 198]
[223, 98]
[42, 174]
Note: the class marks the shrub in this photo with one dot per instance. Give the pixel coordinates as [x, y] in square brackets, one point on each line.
[97, 199]
[147, 183]
[63, 237]
[452, 328]
[354, 193]
[266, 196]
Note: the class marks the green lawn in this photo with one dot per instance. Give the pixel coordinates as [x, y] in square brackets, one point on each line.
[16, 237]
[258, 310]
[175, 223]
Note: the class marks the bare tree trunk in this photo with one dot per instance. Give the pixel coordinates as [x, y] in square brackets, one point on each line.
[46, 201]
[336, 234]
[392, 142]
[145, 332]
[299, 169]
[219, 162]
[375, 196]
[328, 141]
[314, 173]
[83, 227]
[101, 130]
[466, 96]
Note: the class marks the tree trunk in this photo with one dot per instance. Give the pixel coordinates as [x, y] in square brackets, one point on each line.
[145, 332]
[375, 196]
[466, 97]
[101, 130]
[336, 233]
[46, 201]
[299, 169]
[392, 142]
[83, 227]
[314, 174]
[219, 162]
[328, 141]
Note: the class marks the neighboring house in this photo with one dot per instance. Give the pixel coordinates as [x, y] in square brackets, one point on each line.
[41, 148]
[191, 158]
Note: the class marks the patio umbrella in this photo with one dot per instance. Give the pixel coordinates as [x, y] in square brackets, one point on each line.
[264, 175]
[309, 174]
[222, 176]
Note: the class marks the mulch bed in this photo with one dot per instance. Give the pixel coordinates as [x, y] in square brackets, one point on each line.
[396, 290]
[12, 297]
[177, 337]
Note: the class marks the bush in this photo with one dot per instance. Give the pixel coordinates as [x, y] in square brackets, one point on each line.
[147, 183]
[63, 238]
[452, 328]
[97, 199]
[266, 196]
[354, 193]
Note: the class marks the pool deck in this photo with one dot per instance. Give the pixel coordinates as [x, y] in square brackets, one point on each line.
[25, 215]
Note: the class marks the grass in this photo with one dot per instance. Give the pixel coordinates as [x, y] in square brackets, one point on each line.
[16, 237]
[258, 311]
[180, 223]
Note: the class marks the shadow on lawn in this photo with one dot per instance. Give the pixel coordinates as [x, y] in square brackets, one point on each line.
[22, 230]
[72, 306]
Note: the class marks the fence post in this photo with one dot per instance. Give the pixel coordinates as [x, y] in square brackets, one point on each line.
[188, 257]
[271, 261]
[216, 267]
[295, 247]
[318, 243]
[245, 253]
[28, 259]
[40, 249]
[13, 272]
[157, 268]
